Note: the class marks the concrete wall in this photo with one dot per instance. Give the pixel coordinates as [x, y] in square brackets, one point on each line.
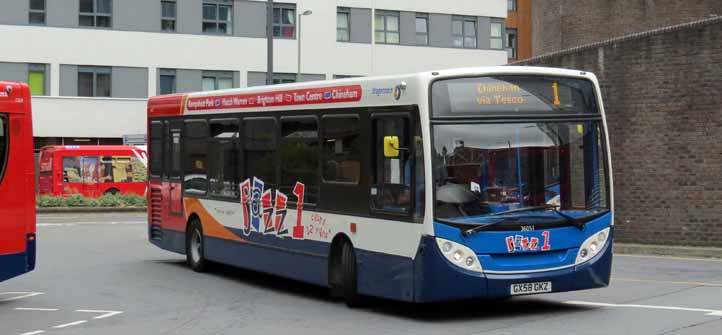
[563, 24]
[662, 97]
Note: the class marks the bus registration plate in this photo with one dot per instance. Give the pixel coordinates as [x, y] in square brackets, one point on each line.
[531, 288]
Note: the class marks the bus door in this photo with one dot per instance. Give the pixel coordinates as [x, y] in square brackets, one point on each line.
[12, 230]
[89, 170]
[173, 177]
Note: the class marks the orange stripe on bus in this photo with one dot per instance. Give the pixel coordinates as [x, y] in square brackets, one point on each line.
[211, 226]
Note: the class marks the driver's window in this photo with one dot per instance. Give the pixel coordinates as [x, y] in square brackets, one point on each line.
[391, 187]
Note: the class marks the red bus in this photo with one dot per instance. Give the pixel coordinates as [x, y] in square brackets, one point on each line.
[17, 182]
[92, 170]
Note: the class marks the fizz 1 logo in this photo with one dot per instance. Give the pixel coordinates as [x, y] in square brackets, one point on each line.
[260, 215]
[520, 243]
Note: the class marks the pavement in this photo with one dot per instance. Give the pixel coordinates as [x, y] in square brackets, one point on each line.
[98, 274]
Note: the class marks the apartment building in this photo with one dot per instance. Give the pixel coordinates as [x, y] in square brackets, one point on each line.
[92, 64]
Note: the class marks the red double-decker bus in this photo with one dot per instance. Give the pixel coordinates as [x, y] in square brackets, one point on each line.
[17, 181]
[92, 170]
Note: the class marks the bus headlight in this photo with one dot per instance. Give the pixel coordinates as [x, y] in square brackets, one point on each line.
[592, 246]
[459, 255]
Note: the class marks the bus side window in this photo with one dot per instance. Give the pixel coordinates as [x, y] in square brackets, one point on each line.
[71, 169]
[391, 189]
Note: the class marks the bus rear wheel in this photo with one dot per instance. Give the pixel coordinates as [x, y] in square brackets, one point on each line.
[349, 276]
[112, 191]
[194, 247]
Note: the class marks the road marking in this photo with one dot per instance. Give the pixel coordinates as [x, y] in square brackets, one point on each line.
[34, 332]
[674, 282]
[710, 312]
[70, 324]
[106, 314]
[37, 309]
[21, 295]
[671, 257]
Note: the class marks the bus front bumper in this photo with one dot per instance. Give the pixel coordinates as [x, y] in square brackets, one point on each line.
[439, 280]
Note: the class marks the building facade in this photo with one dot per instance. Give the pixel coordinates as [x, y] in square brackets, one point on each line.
[92, 64]
[518, 30]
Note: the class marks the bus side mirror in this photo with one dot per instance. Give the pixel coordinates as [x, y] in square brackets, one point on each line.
[391, 146]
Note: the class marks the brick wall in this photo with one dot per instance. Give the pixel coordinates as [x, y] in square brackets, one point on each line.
[563, 24]
[663, 98]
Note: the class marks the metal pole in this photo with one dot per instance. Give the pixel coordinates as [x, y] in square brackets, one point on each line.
[298, 72]
[269, 38]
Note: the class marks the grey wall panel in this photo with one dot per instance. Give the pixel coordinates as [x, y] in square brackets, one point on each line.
[14, 12]
[129, 82]
[361, 29]
[440, 30]
[189, 16]
[69, 80]
[256, 79]
[249, 19]
[140, 15]
[14, 72]
[189, 80]
[407, 27]
[483, 33]
[312, 77]
[62, 13]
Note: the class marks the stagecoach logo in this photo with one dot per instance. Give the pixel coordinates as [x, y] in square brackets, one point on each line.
[397, 92]
[521, 243]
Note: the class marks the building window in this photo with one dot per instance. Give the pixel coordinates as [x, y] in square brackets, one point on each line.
[36, 79]
[96, 13]
[284, 21]
[422, 29]
[464, 32]
[168, 15]
[218, 17]
[94, 81]
[283, 78]
[166, 82]
[511, 5]
[511, 43]
[387, 27]
[343, 26]
[37, 12]
[496, 39]
[217, 80]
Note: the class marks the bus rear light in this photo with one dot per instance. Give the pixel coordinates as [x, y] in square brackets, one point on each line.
[352, 228]
[592, 246]
[31, 237]
[459, 255]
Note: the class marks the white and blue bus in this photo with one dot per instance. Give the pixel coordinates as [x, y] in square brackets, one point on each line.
[456, 184]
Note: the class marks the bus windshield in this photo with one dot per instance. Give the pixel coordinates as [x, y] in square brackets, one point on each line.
[483, 169]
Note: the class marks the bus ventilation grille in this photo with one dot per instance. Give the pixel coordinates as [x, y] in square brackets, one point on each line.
[156, 200]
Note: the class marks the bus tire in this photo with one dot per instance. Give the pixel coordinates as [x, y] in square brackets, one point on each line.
[350, 276]
[194, 246]
[112, 191]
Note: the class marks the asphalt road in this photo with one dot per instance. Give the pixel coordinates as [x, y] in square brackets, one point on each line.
[97, 274]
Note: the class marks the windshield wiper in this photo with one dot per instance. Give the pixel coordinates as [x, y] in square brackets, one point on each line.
[567, 219]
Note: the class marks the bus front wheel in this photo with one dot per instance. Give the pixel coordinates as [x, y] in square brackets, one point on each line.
[194, 246]
[350, 276]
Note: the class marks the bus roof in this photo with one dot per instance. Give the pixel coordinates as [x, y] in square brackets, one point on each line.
[14, 97]
[399, 90]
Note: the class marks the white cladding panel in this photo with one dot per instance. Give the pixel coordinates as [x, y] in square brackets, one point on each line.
[88, 117]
